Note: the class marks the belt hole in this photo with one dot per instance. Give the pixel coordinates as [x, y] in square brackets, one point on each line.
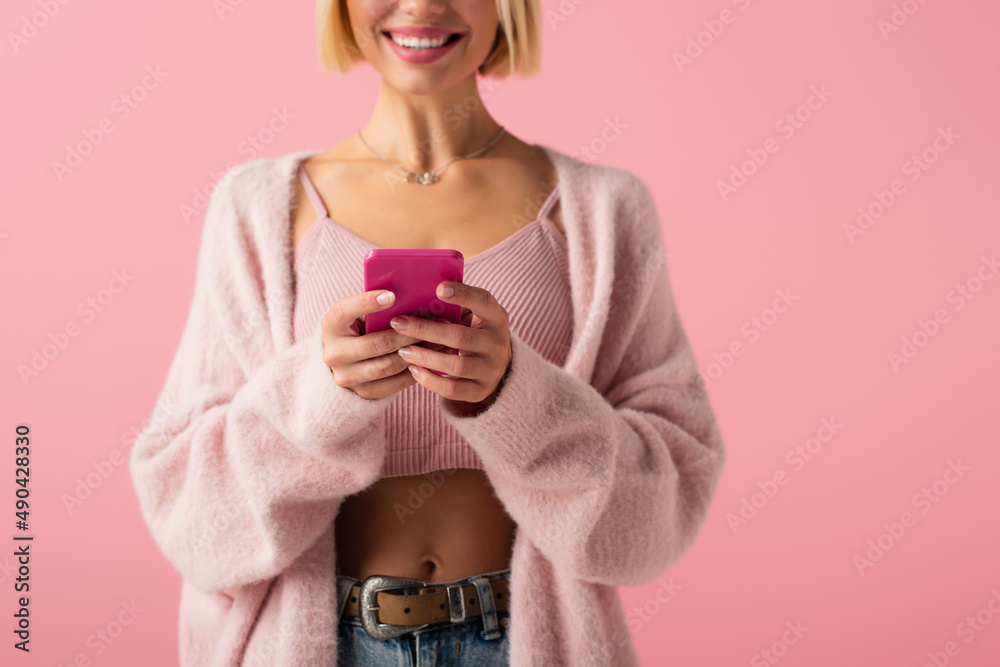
[499, 595]
[442, 607]
[472, 600]
[406, 611]
[354, 599]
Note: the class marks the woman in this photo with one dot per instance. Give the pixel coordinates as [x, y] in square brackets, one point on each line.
[328, 499]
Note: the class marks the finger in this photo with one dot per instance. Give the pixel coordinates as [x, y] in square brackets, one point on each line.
[386, 386]
[479, 301]
[456, 389]
[467, 367]
[345, 312]
[376, 344]
[450, 334]
[374, 369]
[435, 346]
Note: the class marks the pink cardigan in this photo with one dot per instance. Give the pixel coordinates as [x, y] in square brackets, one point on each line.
[607, 464]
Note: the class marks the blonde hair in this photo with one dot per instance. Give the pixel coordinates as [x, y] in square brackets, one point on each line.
[517, 48]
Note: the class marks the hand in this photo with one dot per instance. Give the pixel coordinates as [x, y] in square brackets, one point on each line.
[366, 364]
[474, 375]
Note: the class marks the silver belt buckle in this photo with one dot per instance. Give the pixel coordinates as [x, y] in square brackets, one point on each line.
[456, 604]
[368, 605]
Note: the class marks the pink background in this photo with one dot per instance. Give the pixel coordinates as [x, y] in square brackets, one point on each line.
[826, 357]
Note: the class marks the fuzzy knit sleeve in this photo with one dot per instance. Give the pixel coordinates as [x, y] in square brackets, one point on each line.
[612, 486]
[256, 447]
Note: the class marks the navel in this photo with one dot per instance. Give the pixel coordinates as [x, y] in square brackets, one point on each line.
[429, 566]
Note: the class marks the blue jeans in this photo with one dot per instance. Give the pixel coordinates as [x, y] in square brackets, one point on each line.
[481, 640]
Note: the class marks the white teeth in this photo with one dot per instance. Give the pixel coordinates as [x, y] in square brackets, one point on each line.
[418, 43]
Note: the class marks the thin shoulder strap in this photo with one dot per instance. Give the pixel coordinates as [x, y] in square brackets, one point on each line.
[314, 197]
[550, 201]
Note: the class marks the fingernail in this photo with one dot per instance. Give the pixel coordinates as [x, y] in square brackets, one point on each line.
[414, 370]
[405, 352]
[445, 291]
[386, 298]
[398, 323]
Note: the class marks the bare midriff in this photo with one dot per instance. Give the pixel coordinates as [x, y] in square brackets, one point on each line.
[462, 528]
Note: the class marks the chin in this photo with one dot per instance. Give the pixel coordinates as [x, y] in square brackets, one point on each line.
[416, 83]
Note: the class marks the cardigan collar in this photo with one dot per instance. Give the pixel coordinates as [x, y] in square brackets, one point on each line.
[576, 211]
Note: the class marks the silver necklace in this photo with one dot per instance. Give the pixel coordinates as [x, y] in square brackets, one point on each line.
[429, 177]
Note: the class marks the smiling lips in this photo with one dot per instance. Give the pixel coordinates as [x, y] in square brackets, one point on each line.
[421, 45]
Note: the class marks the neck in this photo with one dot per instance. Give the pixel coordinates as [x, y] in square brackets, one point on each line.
[422, 132]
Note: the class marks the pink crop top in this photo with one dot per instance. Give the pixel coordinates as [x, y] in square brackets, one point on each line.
[527, 272]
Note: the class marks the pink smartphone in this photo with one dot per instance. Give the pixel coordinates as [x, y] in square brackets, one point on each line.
[413, 275]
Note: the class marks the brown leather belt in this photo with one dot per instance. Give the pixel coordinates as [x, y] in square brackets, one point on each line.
[431, 603]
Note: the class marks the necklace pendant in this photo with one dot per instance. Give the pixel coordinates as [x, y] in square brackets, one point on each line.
[428, 177]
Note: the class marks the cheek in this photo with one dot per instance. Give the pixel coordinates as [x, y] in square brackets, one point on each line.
[484, 20]
[366, 17]
[479, 7]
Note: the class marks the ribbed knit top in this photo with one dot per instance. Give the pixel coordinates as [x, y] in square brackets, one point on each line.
[527, 272]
